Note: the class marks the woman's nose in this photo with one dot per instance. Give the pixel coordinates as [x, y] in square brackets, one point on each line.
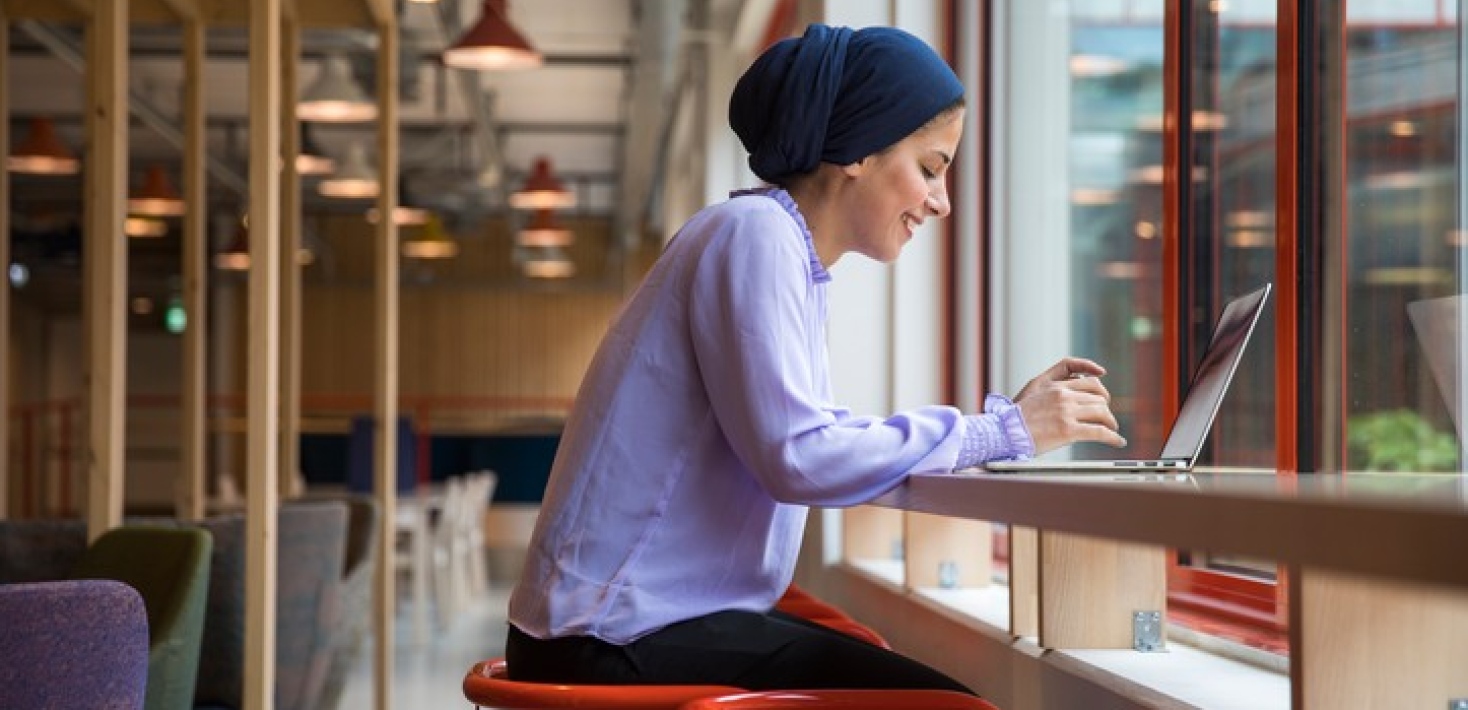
[937, 202]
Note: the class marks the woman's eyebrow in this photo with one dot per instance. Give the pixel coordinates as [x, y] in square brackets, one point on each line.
[947, 160]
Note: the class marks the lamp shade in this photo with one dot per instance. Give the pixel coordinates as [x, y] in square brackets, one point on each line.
[492, 43]
[335, 96]
[312, 160]
[544, 232]
[548, 263]
[236, 255]
[542, 190]
[354, 178]
[144, 227]
[157, 196]
[431, 242]
[42, 152]
[408, 211]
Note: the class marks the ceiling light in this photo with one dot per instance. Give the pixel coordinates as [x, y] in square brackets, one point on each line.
[492, 43]
[354, 178]
[542, 190]
[544, 232]
[548, 263]
[236, 256]
[408, 211]
[42, 153]
[157, 197]
[431, 242]
[144, 227]
[335, 97]
[311, 160]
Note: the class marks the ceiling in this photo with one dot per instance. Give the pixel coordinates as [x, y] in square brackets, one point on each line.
[597, 108]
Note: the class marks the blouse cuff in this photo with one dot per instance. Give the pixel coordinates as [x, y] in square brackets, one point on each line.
[998, 433]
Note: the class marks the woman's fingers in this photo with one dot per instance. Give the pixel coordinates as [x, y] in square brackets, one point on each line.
[1067, 412]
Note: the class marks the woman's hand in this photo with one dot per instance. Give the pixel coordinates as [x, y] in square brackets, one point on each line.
[1067, 403]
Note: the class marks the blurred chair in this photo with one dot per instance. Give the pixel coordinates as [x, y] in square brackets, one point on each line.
[359, 566]
[361, 448]
[488, 685]
[449, 552]
[312, 542]
[170, 569]
[73, 644]
[846, 699]
[39, 550]
[480, 490]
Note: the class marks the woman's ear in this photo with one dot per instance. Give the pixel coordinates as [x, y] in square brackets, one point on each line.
[855, 169]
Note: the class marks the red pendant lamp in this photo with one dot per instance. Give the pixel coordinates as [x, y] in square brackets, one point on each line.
[492, 43]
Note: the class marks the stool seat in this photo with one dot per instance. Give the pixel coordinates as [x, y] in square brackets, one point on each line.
[488, 685]
[844, 699]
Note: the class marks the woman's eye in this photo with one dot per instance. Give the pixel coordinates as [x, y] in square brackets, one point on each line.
[928, 172]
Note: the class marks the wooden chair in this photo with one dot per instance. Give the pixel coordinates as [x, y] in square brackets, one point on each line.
[488, 685]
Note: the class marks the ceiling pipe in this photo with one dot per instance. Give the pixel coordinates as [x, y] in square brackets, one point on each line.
[68, 51]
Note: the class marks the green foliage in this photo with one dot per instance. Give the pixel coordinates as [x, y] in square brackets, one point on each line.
[1400, 440]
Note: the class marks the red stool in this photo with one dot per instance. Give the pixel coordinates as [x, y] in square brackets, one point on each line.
[488, 685]
[798, 602]
[845, 699]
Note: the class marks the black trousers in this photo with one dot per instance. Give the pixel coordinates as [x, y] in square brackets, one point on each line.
[749, 650]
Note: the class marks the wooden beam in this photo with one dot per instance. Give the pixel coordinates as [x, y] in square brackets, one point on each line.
[194, 435]
[105, 264]
[381, 12]
[385, 377]
[262, 464]
[185, 10]
[5, 260]
[290, 267]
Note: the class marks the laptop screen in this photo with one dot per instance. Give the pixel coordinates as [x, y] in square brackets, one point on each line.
[1210, 382]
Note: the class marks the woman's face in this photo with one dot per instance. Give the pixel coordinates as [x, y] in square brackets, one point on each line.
[901, 187]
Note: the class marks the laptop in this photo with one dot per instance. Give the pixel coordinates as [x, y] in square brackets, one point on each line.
[1437, 322]
[1199, 407]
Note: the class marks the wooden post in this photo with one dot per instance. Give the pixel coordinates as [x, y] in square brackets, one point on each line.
[105, 263]
[5, 263]
[194, 413]
[946, 552]
[386, 375]
[290, 266]
[263, 352]
[1024, 581]
[1090, 589]
[1365, 643]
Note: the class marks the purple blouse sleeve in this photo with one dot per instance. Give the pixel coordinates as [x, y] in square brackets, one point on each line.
[998, 433]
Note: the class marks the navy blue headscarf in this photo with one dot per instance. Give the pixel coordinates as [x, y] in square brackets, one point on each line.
[836, 95]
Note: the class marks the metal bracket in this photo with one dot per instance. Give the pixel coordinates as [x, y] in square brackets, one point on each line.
[1147, 633]
[1458, 704]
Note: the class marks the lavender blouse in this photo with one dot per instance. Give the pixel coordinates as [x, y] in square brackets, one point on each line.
[704, 428]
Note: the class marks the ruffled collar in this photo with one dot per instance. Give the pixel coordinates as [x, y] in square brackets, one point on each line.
[818, 271]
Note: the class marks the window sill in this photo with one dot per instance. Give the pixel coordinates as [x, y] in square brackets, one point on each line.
[1194, 671]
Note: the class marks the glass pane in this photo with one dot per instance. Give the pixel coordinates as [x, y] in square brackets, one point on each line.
[1229, 248]
[1404, 236]
[1115, 178]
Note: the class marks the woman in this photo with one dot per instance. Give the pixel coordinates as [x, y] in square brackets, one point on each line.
[705, 425]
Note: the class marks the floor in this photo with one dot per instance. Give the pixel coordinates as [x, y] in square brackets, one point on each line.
[428, 676]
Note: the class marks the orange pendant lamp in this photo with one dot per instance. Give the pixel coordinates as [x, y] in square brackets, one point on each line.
[492, 43]
[42, 152]
[156, 197]
[542, 190]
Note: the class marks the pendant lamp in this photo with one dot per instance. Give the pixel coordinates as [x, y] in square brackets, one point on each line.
[492, 43]
[431, 242]
[42, 152]
[312, 160]
[236, 255]
[354, 178]
[408, 211]
[544, 232]
[157, 196]
[144, 227]
[335, 96]
[548, 263]
[542, 190]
